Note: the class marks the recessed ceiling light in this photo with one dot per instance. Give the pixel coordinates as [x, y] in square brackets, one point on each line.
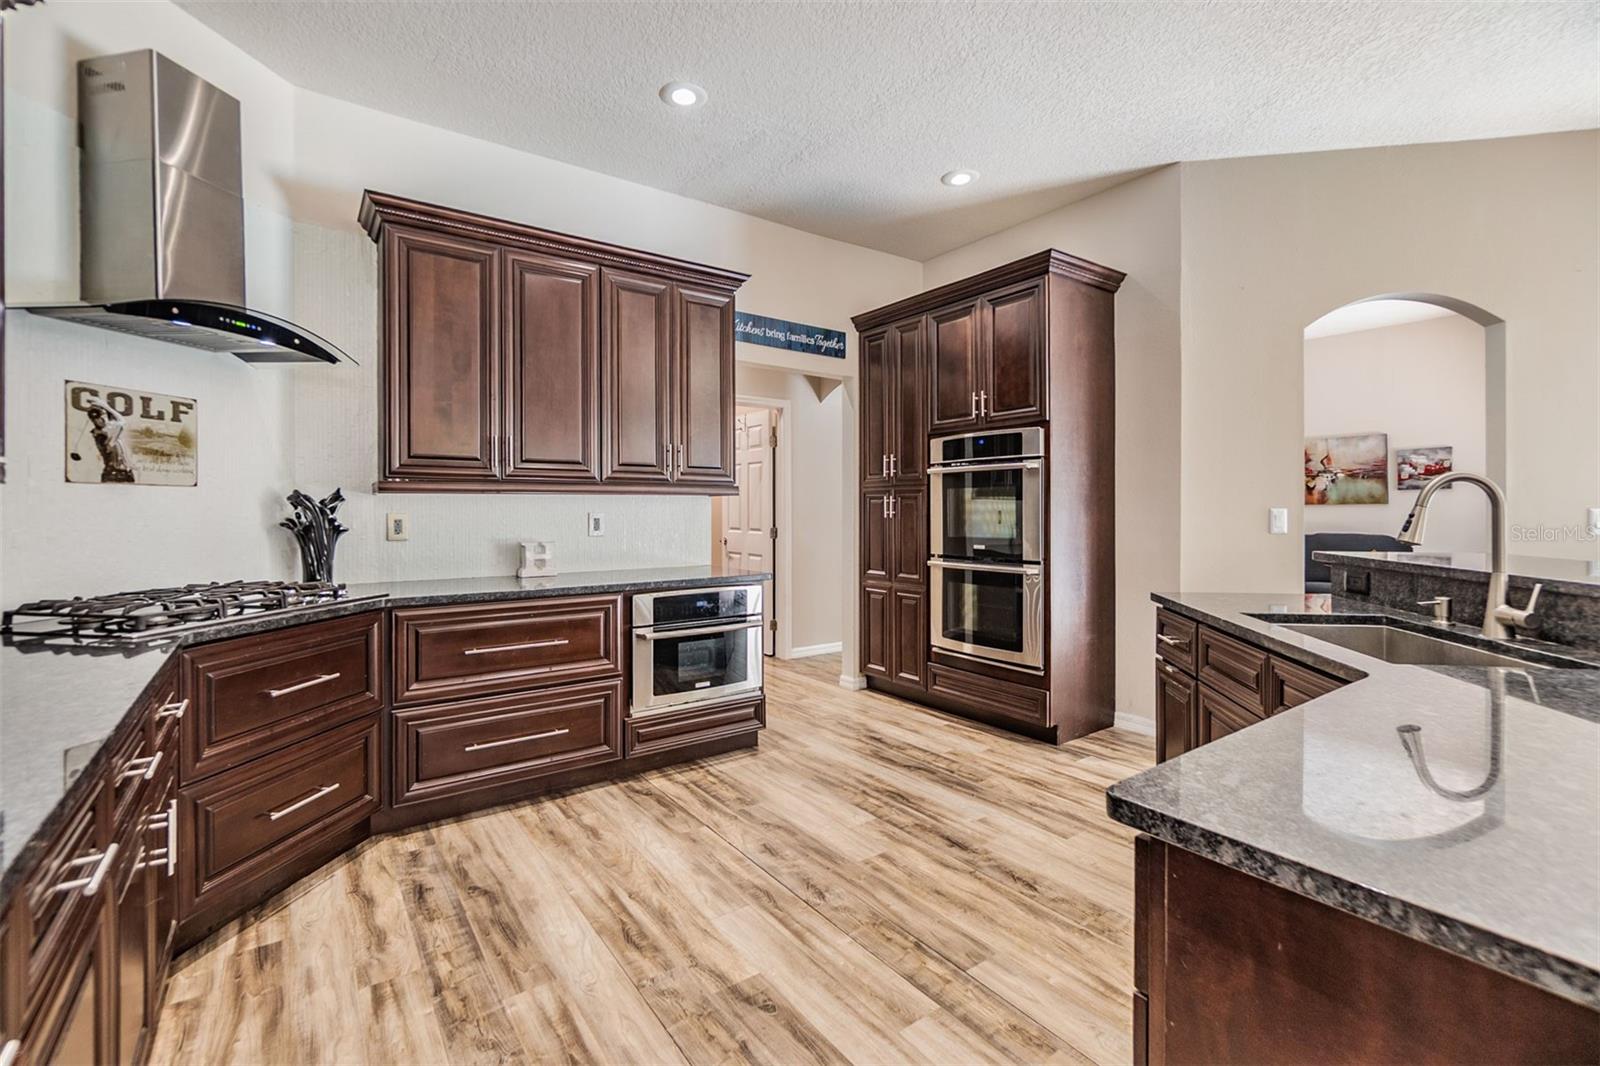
[683, 94]
[959, 178]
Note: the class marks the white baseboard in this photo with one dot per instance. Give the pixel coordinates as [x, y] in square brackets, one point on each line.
[854, 684]
[1135, 723]
[809, 650]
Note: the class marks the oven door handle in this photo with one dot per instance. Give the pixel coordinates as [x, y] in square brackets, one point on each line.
[991, 568]
[979, 465]
[697, 631]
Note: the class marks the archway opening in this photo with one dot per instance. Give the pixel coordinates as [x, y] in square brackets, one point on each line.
[1398, 389]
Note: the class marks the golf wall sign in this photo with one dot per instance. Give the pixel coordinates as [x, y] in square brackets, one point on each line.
[791, 336]
[128, 437]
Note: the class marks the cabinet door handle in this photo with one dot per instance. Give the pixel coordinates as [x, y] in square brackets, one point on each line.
[9, 1053]
[316, 794]
[480, 745]
[894, 506]
[974, 405]
[682, 462]
[883, 467]
[554, 643]
[143, 767]
[886, 506]
[983, 401]
[1172, 642]
[894, 465]
[91, 884]
[321, 679]
[173, 710]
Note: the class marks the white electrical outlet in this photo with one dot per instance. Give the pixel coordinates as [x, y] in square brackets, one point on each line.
[1277, 520]
[396, 526]
[597, 524]
[1594, 521]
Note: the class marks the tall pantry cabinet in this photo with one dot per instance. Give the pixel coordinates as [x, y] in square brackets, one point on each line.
[1025, 344]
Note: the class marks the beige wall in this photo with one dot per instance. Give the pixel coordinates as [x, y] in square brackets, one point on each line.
[1270, 244]
[1422, 383]
[1133, 227]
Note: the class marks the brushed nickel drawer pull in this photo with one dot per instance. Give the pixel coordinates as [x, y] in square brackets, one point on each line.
[90, 884]
[147, 770]
[316, 794]
[320, 679]
[515, 740]
[1172, 642]
[173, 710]
[167, 856]
[555, 643]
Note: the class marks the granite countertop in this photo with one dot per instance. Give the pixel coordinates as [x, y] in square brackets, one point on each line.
[1323, 799]
[60, 703]
[1577, 576]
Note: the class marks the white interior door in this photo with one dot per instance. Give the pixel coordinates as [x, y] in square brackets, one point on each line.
[747, 519]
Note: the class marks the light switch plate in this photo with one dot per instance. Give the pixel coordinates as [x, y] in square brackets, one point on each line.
[1277, 520]
[396, 526]
[597, 524]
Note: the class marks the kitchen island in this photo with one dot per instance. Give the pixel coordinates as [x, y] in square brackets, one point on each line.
[1312, 887]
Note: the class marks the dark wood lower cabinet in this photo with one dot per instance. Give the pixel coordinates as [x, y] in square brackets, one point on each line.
[1211, 684]
[157, 850]
[1177, 710]
[1232, 969]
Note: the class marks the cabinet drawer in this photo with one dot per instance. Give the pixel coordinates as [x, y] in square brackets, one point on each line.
[242, 827]
[1175, 637]
[679, 728]
[450, 652]
[1220, 716]
[256, 694]
[1237, 670]
[1290, 684]
[460, 747]
[989, 694]
[49, 919]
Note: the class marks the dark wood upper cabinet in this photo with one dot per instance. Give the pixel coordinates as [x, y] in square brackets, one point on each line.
[517, 359]
[704, 370]
[1012, 354]
[440, 359]
[877, 407]
[552, 394]
[952, 335]
[907, 434]
[637, 316]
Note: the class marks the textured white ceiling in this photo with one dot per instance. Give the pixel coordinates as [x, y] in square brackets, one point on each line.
[839, 118]
[1373, 314]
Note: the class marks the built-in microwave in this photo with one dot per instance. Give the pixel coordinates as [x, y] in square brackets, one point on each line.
[986, 529]
[695, 646]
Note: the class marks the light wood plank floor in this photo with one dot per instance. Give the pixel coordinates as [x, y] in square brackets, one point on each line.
[877, 883]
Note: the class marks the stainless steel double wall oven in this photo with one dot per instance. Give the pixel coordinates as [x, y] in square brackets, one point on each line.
[986, 556]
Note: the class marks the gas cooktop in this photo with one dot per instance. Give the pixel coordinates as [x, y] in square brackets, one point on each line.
[150, 615]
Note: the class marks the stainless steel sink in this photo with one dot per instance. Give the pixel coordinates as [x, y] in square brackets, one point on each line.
[1394, 645]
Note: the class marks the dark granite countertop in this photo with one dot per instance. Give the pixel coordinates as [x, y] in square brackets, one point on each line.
[1323, 799]
[1576, 576]
[61, 703]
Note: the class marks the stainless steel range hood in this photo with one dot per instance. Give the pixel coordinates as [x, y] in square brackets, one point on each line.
[162, 215]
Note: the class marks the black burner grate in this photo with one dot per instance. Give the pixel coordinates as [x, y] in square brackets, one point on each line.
[152, 610]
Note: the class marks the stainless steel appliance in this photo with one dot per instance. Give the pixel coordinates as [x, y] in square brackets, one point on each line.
[153, 615]
[986, 550]
[695, 646]
[162, 234]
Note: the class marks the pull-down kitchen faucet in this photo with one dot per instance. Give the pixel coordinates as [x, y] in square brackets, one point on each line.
[1497, 613]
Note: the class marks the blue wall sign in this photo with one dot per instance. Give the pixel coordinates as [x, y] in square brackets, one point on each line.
[791, 336]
